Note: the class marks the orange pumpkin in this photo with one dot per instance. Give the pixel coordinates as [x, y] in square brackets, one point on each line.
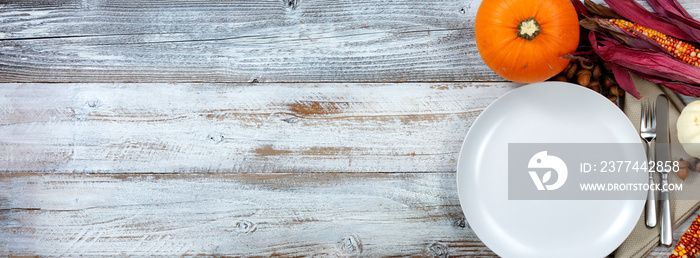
[526, 40]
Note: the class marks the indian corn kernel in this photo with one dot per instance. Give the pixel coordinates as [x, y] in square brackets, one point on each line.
[689, 244]
[681, 50]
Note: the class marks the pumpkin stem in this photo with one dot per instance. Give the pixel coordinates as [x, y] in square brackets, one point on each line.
[529, 28]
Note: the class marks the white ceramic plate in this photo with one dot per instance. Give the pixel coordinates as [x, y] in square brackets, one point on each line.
[548, 112]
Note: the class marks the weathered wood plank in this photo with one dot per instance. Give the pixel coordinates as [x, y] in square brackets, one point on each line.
[407, 127]
[368, 214]
[242, 41]
[239, 41]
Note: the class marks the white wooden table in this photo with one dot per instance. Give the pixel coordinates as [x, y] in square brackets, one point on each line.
[253, 128]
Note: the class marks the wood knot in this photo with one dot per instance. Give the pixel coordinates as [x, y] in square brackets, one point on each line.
[93, 103]
[461, 222]
[291, 120]
[244, 226]
[292, 4]
[217, 138]
[437, 250]
[351, 244]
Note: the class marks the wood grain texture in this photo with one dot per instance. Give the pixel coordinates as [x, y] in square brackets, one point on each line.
[239, 41]
[327, 214]
[185, 168]
[242, 41]
[113, 128]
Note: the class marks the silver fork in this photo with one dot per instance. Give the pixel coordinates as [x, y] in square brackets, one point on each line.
[648, 133]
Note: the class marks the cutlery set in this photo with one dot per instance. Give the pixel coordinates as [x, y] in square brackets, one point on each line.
[654, 126]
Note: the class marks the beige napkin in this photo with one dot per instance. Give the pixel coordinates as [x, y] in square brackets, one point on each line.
[642, 239]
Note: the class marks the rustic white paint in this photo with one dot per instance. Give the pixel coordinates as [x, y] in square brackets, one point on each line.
[235, 214]
[218, 142]
[239, 41]
[383, 127]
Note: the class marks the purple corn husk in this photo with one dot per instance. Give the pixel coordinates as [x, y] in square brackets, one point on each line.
[635, 41]
[664, 7]
[636, 13]
[580, 8]
[676, 6]
[652, 63]
[628, 85]
[679, 87]
[621, 75]
[661, 68]
[623, 78]
[674, 12]
[634, 53]
[653, 45]
[600, 10]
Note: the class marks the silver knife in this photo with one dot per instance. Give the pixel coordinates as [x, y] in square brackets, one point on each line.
[662, 155]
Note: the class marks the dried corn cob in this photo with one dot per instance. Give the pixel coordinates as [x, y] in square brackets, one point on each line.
[689, 244]
[681, 50]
